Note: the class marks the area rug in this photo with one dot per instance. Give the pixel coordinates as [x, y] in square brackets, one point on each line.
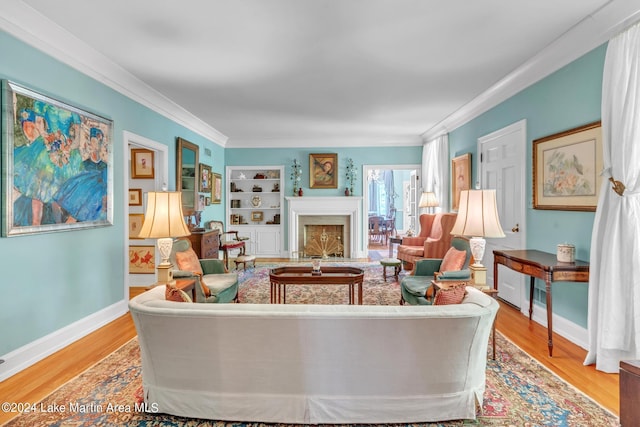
[520, 392]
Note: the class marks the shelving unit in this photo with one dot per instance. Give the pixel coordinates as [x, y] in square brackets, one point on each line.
[254, 206]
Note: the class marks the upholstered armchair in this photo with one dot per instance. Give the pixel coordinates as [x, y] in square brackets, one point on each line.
[413, 288]
[433, 241]
[213, 281]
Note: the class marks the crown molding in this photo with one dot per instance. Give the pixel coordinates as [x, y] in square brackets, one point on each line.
[330, 141]
[596, 29]
[28, 25]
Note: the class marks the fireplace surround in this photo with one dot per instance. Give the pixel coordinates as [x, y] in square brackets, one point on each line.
[346, 211]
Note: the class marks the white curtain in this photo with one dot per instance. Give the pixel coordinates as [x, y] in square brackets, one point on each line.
[614, 283]
[435, 170]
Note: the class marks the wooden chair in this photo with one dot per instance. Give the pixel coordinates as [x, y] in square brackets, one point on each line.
[229, 240]
[377, 230]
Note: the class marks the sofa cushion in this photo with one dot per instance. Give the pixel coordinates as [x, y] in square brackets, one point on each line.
[172, 293]
[450, 295]
[453, 260]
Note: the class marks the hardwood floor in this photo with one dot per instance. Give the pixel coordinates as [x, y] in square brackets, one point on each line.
[36, 382]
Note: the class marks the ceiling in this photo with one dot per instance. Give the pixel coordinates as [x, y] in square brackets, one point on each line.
[274, 72]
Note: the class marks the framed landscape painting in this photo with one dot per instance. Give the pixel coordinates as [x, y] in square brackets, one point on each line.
[566, 169]
[57, 165]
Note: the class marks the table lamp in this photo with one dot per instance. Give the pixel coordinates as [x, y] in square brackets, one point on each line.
[428, 200]
[164, 220]
[478, 218]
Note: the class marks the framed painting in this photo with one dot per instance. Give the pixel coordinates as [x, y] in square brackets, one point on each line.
[142, 259]
[257, 216]
[216, 195]
[323, 170]
[205, 178]
[135, 197]
[142, 164]
[566, 169]
[57, 165]
[460, 178]
[135, 224]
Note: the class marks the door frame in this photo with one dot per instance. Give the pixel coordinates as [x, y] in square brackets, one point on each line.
[521, 126]
[161, 167]
[365, 193]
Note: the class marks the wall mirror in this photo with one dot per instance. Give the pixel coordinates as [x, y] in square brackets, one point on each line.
[187, 174]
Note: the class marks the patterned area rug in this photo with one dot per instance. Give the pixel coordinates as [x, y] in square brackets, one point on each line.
[520, 392]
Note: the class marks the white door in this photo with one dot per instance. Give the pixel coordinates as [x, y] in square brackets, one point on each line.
[502, 167]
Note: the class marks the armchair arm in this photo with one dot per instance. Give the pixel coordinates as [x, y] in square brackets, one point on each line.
[455, 275]
[213, 266]
[182, 273]
[413, 241]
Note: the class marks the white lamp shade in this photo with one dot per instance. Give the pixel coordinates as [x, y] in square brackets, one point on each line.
[478, 215]
[428, 200]
[164, 217]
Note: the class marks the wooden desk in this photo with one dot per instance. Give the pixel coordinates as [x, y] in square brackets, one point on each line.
[541, 265]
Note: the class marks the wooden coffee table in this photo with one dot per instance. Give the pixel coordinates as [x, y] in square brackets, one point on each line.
[282, 276]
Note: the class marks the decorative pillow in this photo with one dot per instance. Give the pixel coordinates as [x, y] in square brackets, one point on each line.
[453, 260]
[188, 261]
[450, 295]
[172, 293]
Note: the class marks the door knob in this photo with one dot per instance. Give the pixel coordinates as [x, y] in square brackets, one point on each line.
[516, 228]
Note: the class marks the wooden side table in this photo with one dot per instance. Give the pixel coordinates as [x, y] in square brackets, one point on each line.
[187, 284]
[436, 285]
[629, 392]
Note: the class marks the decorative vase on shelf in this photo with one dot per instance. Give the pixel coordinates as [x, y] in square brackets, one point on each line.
[346, 191]
[300, 191]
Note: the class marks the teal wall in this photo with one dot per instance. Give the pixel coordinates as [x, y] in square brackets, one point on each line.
[50, 281]
[568, 98]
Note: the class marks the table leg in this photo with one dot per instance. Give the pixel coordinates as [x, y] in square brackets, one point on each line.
[272, 292]
[351, 293]
[284, 293]
[532, 284]
[360, 293]
[549, 315]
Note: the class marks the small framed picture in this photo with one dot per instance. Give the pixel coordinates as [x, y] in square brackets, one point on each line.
[142, 164]
[142, 259]
[205, 178]
[460, 177]
[216, 194]
[256, 216]
[207, 201]
[135, 225]
[135, 197]
[322, 170]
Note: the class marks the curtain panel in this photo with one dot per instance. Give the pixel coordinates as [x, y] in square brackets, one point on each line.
[614, 283]
[435, 170]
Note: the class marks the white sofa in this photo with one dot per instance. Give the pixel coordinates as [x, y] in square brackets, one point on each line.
[314, 364]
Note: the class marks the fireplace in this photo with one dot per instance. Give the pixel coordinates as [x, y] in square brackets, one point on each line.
[318, 226]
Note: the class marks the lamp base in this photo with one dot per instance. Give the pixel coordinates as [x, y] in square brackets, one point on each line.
[479, 276]
[165, 273]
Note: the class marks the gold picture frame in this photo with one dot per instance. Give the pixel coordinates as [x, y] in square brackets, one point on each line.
[323, 170]
[142, 259]
[135, 224]
[205, 178]
[135, 197]
[460, 178]
[142, 164]
[216, 188]
[257, 216]
[566, 169]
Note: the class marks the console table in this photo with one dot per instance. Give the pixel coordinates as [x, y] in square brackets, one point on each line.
[541, 265]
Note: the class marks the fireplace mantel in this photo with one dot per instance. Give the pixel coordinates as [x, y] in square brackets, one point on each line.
[311, 206]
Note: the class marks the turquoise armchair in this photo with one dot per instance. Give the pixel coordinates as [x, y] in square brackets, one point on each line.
[222, 285]
[413, 288]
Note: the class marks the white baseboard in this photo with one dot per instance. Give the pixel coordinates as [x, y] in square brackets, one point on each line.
[561, 326]
[27, 355]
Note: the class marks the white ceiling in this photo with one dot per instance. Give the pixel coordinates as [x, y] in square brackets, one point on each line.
[273, 72]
